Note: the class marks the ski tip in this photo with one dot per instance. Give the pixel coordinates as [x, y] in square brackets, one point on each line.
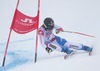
[90, 53]
[66, 56]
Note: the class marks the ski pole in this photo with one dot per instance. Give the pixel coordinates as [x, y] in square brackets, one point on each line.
[79, 33]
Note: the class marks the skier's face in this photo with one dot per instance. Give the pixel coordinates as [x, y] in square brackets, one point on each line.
[50, 27]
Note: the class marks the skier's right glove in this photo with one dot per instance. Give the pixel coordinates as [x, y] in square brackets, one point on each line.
[49, 50]
[58, 30]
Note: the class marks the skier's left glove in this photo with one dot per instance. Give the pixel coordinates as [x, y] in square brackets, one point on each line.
[49, 50]
[58, 30]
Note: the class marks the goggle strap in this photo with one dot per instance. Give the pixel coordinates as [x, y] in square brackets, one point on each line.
[45, 26]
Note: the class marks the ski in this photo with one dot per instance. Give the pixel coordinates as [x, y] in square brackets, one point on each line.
[90, 53]
[68, 55]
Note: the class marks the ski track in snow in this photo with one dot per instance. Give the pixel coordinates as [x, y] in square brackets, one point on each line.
[17, 57]
[14, 63]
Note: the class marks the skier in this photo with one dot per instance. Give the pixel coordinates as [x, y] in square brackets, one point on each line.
[52, 42]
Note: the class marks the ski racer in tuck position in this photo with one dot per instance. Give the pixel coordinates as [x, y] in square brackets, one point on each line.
[51, 42]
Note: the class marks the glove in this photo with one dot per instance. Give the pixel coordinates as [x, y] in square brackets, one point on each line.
[49, 50]
[58, 30]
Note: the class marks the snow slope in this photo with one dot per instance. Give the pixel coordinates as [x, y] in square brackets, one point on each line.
[74, 15]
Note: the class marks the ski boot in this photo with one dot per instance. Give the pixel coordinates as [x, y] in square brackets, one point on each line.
[88, 49]
[68, 52]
